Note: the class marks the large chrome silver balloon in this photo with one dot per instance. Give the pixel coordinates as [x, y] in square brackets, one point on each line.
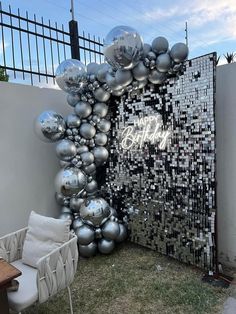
[156, 77]
[78, 222]
[71, 75]
[179, 52]
[100, 109]
[123, 47]
[101, 95]
[72, 100]
[87, 130]
[140, 72]
[104, 125]
[76, 203]
[112, 82]
[160, 45]
[100, 139]
[122, 234]
[66, 150]
[73, 121]
[83, 109]
[70, 181]
[92, 187]
[95, 211]
[92, 68]
[87, 158]
[111, 230]
[123, 77]
[106, 246]
[88, 250]
[163, 62]
[102, 72]
[85, 234]
[90, 169]
[100, 154]
[50, 126]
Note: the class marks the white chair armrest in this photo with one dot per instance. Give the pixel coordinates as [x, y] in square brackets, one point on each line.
[11, 245]
[56, 270]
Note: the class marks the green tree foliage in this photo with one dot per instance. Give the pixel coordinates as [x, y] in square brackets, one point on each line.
[3, 75]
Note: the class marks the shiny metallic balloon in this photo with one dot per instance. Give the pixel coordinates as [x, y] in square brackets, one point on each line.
[122, 234]
[85, 234]
[112, 82]
[102, 72]
[66, 210]
[92, 68]
[163, 62]
[71, 75]
[106, 246]
[140, 71]
[60, 198]
[100, 109]
[160, 45]
[88, 250]
[156, 77]
[82, 149]
[87, 130]
[110, 230]
[66, 150]
[78, 222]
[90, 169]
[83, 109]
[123, 77]
[123, 47]
[72, 100]
[70, 181]
[50, 126]
[100, 154]
[66, 216]
[119, 92]
[100, 139]
[64, 164]
[113, 212]
[95, 211]
[101, 95]
[73, 121]
[87, 158]
[92, 187]
[142, 84]
[104, 125]
[98, 233]
[146, 49]
[76, 203]
[179, 52]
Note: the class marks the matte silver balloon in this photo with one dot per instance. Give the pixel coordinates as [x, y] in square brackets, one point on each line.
[163, 62]
[92, 187]
[179, 52]
[101, 95]
[85, 234]
[160, 45]
[112, 82]
[50, 126]
[90, 169]
[122, 234]
[119, 92]
[95, 211]
[78, 222]
[88, 250]
[156, 77]
[70, 181]
[66, 150]
[110, 230]
[123, 77]
[87, 158]
[82, 149]
[140, 72]
[66, 216]
[73, 121]
[100, 139]
[100, 109]
[83, 109]
[146, 49]
[104, 125]
[106, 246]
[102, 72]
[71, 75]
[87, 130]
[123, 47]
[76, 203]
[72, 100]
[100, 154]
[92, 68]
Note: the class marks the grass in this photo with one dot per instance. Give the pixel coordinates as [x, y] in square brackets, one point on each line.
[129, 282]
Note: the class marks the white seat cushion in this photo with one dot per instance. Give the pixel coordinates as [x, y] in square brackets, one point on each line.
[27, 293]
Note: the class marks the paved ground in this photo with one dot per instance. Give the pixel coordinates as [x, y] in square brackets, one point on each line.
[229, 306]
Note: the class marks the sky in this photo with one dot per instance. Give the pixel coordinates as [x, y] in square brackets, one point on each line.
[211, 23]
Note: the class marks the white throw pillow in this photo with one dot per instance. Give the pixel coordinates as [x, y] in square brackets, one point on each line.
[44, 234]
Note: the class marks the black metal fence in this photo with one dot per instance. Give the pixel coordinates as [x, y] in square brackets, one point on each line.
[31, 49]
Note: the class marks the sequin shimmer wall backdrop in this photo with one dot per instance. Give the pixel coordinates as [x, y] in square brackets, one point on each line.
[162, 164]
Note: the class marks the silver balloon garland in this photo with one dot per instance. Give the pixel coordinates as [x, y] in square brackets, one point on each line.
[82, 136]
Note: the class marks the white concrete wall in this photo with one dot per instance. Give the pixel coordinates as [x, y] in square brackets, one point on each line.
[226, 161]
[27, 165]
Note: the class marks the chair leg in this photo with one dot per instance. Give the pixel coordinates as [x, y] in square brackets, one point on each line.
[69, 293]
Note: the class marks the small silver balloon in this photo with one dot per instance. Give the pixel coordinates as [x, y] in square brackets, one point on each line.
[123, 47]
[72, 100]
[123, 77]
[122, 234]
[100, 139]
[160, 45]
[106, 246]
[110, 230]
[92, 187]
[82, 149]
[71, 75]
[151, 56]
[66, 210]
[73, 121]
[142, 84]
[146, 49]
[66, 216]
[119, 92]
[140, 72]
[87, 158]
[50, 126]
[83, 109]
[90, 169]
[70, 181]
[85, 234]
[101, 95]
[66, 150]
[179, 52]
[100, 154]
[60, 198]
[112, 82]
[76, 203]
[63, 163]
[100, 109]
[92, 68]
[163, 62]
[78, 222]
[88, 250]
[156, 77]
[113, 212]
[102, 71]
[104, 125]
[87, 130]
[98, 233]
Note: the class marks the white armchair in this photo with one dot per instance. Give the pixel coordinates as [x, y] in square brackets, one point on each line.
[54, 272]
